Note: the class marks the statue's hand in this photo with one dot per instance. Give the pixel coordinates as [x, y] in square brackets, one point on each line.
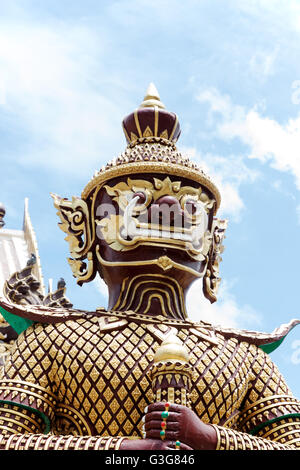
[181, 424]
[150, 444]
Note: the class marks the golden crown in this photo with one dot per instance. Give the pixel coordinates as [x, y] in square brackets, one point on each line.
[151, 133]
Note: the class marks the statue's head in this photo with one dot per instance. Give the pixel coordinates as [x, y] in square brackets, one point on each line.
[151, 210]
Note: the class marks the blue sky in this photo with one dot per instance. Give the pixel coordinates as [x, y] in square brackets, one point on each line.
[71, 70]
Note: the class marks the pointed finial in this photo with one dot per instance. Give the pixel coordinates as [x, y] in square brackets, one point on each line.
[152, 98]
[172, 348]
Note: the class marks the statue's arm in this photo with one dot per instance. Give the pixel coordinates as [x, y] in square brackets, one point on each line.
[10, 439]
[268, 419]
[25, 428]
[30, 404]
[270, 415]
[288, 437]
[29, 400]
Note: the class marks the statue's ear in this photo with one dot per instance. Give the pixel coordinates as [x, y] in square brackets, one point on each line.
[75, 222]
[211, 280]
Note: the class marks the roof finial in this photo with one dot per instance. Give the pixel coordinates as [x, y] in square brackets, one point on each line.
[152, 98]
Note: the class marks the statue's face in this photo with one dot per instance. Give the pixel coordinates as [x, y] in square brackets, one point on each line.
[144, 224]
[146, 217]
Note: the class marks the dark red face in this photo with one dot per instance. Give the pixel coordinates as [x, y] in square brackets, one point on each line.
[155, 222]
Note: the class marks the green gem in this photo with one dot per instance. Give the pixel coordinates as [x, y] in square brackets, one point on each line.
[165, 414]
[177, 443]
[162, 433]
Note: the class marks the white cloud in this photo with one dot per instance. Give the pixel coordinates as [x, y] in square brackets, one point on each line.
[225, 312]
[266, 139]
[228, 173]
[282, 15]
[262, 63]
[48, 89]
[101, 287]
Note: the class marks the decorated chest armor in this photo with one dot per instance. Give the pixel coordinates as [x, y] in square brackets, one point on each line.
[146, 222]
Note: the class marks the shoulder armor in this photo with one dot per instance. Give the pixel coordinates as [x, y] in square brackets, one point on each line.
[22, 316]
[268, 342]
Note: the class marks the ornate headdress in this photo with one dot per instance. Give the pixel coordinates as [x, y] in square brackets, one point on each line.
[151, 133]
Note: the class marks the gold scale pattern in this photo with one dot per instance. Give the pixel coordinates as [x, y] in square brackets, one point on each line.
[105, 375]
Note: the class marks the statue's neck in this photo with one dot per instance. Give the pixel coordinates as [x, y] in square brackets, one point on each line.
[150, 294]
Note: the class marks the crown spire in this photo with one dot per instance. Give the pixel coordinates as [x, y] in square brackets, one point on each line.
[152, 98]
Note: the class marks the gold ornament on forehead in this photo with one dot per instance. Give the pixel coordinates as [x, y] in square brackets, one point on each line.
[124, 191]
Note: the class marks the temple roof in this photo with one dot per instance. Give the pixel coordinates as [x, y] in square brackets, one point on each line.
[16, 248]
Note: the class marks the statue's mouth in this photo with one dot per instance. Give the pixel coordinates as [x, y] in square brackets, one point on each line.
[166, 228]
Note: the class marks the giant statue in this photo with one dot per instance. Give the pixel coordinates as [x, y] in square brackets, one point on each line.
[140, 375]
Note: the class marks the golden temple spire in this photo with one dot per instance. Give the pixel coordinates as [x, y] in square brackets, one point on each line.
[152, 98]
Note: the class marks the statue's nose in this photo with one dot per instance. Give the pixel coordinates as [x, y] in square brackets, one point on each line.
[168, 201]
[166, 209]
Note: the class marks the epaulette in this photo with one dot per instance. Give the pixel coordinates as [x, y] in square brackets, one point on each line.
[268, 342]
[22, 316]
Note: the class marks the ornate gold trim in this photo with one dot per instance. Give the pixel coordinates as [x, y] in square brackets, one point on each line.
[284, 425]
[156, 114]
[152, 167]
[174, 129]
[145, 279]
[71, 414]
[137, 123]
[273, 399]
[164, 262]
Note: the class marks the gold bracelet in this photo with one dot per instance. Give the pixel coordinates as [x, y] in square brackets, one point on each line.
[57, 444]
[98, 443]
[28, 442]
[106, 447]
[67, 443]
[8, 442]
[87, 444]
[78, 443]
[119, 442]
[235, 443]
[18, 443]
[247, 438]
[227, 445]
[37, 442]
[48, 443]
[216, 428]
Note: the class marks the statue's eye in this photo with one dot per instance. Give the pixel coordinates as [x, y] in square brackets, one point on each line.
[193, 207]
[142, 197]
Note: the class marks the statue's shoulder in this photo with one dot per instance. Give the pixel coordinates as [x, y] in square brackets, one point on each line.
[268, 342]
[20, 317]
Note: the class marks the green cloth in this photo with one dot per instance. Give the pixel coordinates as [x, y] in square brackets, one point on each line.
[268, 348]
[19, 324]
